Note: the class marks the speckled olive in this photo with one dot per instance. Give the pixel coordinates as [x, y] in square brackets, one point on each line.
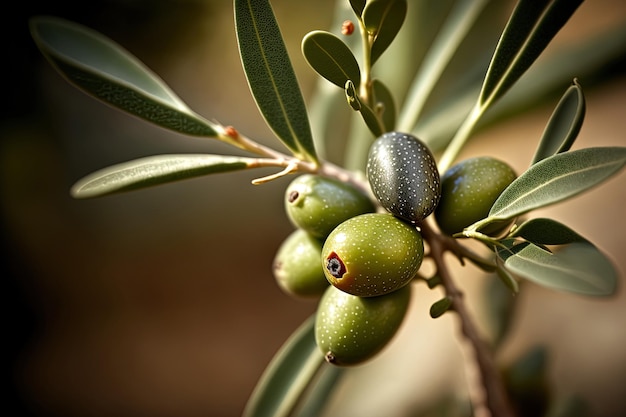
[468, 190]
[403, 175]
[349, 330]
[372, 254]
[297, 267]
[318, 204]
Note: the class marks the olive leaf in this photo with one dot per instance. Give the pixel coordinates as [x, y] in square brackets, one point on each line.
[542, 231]
[458, 23]
[104, 70]
[564, 124]
[271, 77]
[544, 78]
[557, 178]
[577, 267]
[384, 104]
[531, 27]
[317, 396]
[358, 6]
[369, 117]
[287, 376]
[382, 20]
[155, 170]
[331, 58]
[508, 280]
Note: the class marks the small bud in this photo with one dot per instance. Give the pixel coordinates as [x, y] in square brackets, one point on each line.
[347, 28]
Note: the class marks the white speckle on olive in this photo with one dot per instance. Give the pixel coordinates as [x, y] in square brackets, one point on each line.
[403, 175]
[372, 254]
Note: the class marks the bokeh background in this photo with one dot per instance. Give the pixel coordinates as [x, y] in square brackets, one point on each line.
[161, 302]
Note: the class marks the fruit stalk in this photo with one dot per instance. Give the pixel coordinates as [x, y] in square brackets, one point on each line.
[493, 399]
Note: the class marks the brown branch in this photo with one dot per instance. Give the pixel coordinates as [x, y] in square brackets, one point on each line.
[493, 401]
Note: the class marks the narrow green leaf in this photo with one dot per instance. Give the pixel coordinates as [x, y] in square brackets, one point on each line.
[578, 267]
[358, 6]
[271, 77]
[155, 170]
[384, 104]
[287, 375]
[530, 29]
[103, 69]
[383, 20]
[542, 231]
[331, 58]
[318, 396]
[454, 30]
[557, 178]
[564, 124]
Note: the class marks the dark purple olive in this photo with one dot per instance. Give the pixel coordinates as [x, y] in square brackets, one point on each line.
[403, 175]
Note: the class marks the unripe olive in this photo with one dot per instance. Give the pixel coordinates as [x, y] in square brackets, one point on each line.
[468, 190]
[372, 254]
[403, 175]
[297, 265]
[318, 204]
[350, 330]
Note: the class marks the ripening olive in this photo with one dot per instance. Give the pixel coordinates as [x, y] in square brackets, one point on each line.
[297, 265]
[468, 190]
[372, 254]
[350, 330]
[403, 175]
[318, 204]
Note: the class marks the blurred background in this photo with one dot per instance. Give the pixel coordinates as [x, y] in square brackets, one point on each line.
[161, 302]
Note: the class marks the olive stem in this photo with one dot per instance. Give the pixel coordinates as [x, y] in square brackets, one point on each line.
[492, 400]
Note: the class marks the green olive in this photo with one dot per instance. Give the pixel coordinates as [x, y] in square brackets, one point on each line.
[350, 330]
[468, 190]
[403, 175]
[297, 265]
[372, 254]
[318, 204]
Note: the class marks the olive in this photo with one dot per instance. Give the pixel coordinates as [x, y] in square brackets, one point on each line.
[403, 175]
[297, 267]
[468, 190]
[372, 254]
[350, 329]
[318, 204]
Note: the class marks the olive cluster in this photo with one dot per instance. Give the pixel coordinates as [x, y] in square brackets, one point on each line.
[368, 255]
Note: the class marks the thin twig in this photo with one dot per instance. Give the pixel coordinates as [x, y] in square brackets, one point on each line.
[493, 401]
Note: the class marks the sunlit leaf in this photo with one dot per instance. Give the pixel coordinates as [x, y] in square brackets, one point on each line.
[155, 170]
[544, 78]
[564, 124]
[383, 19]
[331, 58]
[578, 267]
[557, 178]
[458, 23]
[271, 77]
[287, 376]
[103, 69]
[531, 27]
[385, 104]
[542, 231]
